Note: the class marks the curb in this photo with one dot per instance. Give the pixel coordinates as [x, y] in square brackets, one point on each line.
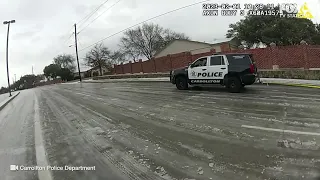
[3, 105]
[296, 85]
[145, 81]
[126, 76]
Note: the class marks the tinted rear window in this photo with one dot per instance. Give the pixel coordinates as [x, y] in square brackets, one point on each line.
[241, 59]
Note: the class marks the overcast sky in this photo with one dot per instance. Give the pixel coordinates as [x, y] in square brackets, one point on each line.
[42, 27]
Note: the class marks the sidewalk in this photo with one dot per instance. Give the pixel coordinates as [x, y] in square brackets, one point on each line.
[292, 82]
[5, 99]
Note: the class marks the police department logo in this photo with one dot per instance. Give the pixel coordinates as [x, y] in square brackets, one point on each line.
[193, 73]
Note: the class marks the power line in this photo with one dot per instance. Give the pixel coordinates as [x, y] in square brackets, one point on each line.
[86, 18]
[94, 11]
[79, 41]
[69, 37]
[144, 22]
[70, 29]
[67, 33]
[99, 15]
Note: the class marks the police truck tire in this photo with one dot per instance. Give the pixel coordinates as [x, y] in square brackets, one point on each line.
[234, 84]
[181, 83]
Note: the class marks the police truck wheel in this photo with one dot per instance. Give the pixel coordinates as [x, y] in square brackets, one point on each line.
[234, 84]
[181, 83]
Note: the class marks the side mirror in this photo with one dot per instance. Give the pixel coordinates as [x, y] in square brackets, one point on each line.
[190, 65]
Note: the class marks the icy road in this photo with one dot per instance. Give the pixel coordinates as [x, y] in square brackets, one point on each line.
[150, 131]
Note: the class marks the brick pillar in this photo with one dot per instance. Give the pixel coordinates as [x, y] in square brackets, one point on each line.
[130, 64]
[305, 55]
[185, 56]
[188, 57]
[169, 57]
[140, 62]
[122, 70]
[154, 63]
[115, 68]
[274, 58]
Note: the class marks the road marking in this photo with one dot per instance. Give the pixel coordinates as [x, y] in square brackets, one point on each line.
[96, 113]
[212, 102]
[306, 85]
[83, 94]
[120, 87]
[281, 130]
[39, 146]
[300, 85]
[298, 98]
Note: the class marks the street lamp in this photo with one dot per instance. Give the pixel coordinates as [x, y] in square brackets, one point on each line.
[8, 22]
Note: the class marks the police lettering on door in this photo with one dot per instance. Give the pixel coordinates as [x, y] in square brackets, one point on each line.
[210, 74]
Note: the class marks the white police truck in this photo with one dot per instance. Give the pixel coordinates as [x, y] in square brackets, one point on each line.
[231, 70]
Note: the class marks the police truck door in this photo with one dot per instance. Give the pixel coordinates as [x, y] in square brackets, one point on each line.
[218, 67]
[198, 70]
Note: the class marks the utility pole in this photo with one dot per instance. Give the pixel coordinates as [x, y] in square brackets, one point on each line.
[7, 54]
[76, 44]
[32, 69]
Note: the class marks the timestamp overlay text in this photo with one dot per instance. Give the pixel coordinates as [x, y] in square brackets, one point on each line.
[257, 9]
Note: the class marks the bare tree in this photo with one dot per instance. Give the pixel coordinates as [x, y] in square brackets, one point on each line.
[169, 35]
[129, 52]
[147, 40]
[99, 56]
[117, 57]
[65, 61]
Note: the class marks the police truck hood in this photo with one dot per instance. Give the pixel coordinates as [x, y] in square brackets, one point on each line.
[182, 68]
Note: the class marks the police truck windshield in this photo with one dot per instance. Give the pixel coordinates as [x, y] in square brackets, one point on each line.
[243, 59]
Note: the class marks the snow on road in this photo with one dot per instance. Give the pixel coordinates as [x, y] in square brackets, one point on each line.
[153, 131]
[173, 133]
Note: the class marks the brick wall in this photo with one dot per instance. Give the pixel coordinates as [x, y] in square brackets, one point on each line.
[180, 60]
[127, 68]
[301, 56]
[313, 57]
[137, 67]
[118, 69]
[148, 66]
